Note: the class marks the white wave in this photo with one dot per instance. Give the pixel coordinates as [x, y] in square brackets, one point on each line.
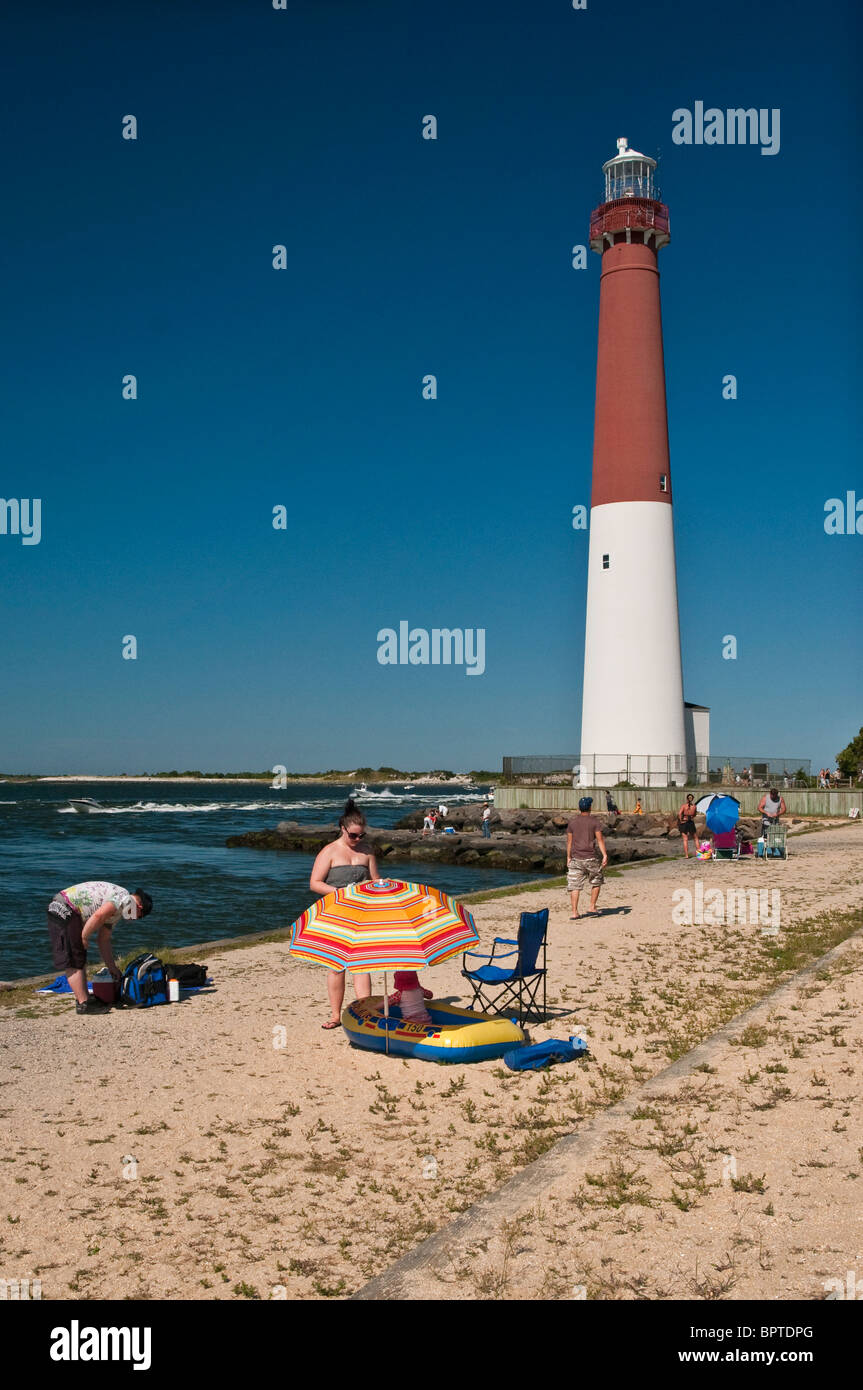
[459, 796]
[142, 808]
[443, 798]
[440, 794]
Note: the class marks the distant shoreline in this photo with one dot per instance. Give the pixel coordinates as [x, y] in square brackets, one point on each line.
[460, 780]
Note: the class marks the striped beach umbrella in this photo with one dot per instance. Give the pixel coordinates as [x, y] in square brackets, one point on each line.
[383, 924]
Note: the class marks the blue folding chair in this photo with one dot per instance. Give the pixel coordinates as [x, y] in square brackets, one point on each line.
[518, 983]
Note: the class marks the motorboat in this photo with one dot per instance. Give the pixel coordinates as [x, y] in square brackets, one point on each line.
[83, 804]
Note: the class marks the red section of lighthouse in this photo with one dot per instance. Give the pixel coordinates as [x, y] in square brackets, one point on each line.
[630, 446]
[632, 714]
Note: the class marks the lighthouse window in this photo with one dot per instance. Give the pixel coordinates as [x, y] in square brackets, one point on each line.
[663, 482]
[605, 562]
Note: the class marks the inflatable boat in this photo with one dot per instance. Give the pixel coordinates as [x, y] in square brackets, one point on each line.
[454, 1035]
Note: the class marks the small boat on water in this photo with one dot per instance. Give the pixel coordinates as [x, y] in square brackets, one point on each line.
[83, 804]
[360, 791]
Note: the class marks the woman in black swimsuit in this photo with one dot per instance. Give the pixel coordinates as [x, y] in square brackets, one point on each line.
[347, 860]
[686, 822]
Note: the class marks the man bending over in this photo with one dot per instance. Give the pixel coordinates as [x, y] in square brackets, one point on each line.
[75, 916]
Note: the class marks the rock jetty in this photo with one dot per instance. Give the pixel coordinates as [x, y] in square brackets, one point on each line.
[522, 841]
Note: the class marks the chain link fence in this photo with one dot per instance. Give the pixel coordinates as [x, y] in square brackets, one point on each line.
[655, 770]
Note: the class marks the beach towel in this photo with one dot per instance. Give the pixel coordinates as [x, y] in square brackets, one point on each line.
[60, 986]
[545, 1053]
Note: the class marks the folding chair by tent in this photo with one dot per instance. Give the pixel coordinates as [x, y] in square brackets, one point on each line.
[495, 986]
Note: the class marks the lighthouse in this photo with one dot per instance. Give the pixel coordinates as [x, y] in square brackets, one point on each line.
[633, 722]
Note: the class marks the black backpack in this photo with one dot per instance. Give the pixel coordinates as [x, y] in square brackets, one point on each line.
[187, 976]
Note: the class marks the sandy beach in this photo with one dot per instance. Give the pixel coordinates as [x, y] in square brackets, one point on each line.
[739, 1181]
[227, 1148]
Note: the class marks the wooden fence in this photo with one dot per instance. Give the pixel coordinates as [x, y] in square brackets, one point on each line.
[799, 802]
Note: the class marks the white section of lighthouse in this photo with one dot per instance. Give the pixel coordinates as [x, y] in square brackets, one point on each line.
[632, 722]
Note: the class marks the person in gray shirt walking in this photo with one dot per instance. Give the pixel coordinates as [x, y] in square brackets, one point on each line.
[586, 855]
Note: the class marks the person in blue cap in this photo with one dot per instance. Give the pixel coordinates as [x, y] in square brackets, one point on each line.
[586, 855]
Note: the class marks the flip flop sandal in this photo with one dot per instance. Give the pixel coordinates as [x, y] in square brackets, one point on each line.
[333, 1023]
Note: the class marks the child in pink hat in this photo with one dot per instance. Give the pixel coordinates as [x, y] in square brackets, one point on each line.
[409, 996]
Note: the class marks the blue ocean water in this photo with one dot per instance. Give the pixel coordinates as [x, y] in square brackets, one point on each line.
[170, 839]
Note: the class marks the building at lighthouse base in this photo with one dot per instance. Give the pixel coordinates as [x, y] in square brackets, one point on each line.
[651, 769]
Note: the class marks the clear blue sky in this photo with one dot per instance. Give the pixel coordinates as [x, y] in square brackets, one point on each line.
[302, 387]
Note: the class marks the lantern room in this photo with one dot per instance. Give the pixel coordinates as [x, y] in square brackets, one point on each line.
[631, 210]
[629, 174]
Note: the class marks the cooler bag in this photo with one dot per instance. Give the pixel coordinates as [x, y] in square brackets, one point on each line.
[144, 982]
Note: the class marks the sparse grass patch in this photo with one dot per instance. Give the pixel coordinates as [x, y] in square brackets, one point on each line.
[754, 1035]
[647, 1112]
[748, 1182]
[619, 1186]
[533, 1148]
[330, 1290]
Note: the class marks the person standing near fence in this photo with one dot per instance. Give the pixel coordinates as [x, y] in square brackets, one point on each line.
[771, 806]
[686, 823]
